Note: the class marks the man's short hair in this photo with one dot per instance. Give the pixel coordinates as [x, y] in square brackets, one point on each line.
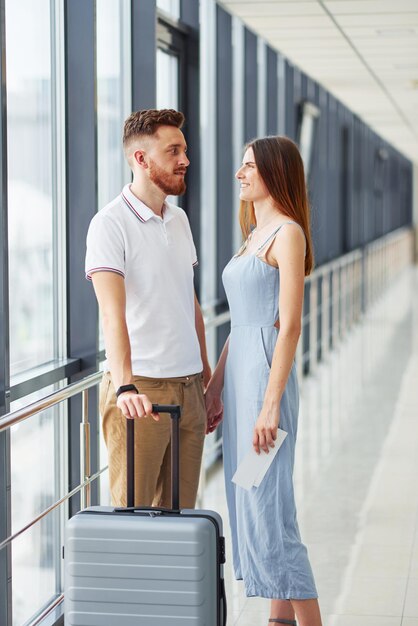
[146, 122]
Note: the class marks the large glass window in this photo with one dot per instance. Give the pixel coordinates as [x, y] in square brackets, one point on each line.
[172, 7]
[35, 485]
[170, 57]
[30, 189]
[113, 107]
[167, 80]
[113, 95]
[33, 56]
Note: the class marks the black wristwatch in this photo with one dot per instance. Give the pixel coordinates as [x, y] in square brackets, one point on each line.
[124, 388]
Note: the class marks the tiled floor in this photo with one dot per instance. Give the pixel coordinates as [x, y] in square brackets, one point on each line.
[356, 474]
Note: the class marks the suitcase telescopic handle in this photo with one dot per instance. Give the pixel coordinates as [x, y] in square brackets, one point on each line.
[174, 411]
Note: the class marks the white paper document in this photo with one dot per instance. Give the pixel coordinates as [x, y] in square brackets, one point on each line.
[253, 467]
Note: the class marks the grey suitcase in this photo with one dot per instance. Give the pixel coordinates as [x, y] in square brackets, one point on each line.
[145, 566]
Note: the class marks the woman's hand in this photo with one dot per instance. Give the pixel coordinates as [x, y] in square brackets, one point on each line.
[214, 409]
[265, 430]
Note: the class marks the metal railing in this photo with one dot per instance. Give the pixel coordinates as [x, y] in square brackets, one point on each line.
[336, 296]
[338, 293]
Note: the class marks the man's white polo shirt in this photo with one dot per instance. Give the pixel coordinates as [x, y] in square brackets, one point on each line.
[156, 257]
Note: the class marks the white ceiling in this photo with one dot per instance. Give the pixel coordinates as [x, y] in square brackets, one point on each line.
[365, 52]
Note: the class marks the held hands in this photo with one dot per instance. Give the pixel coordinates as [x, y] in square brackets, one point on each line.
[265, 430]
[214, 409]
[134, 405]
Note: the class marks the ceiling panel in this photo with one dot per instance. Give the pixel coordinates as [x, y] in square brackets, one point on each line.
[294, 22]
[376, 20]
[374, 7]
[365, 52]
[254, 2]
[280, 8]
[388, 33]
[336, 43]
[301, 33]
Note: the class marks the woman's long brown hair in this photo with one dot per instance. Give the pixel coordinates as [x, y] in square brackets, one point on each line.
[281, 168]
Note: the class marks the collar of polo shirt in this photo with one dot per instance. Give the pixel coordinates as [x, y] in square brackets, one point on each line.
[141, 210]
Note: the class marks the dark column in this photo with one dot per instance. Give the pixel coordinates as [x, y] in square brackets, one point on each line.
[189, 15]
[333, 209]
[250, 86]
[144, 51]
[81, 146]
[224, 157]
[290, 118]
[272, 92]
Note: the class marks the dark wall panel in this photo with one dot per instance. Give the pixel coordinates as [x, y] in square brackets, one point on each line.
[318, 188]
[272, 92]
[250, 85]
[144, 51]
[333, 229]
[81, 179]
[190, 16]
[81, 176]
[290, 115]
[281, 94]
[224, 157]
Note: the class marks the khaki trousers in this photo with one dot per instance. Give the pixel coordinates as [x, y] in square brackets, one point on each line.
[153, 441]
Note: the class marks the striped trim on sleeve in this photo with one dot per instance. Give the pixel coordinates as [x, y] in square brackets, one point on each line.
[103, 269]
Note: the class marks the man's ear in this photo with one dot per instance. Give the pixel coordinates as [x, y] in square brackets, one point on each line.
[139, 157]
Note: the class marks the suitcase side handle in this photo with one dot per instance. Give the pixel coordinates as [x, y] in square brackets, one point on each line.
[174, 410]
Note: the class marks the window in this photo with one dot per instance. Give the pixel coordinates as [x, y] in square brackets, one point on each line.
[30, 186]
[36, 258]
[113, 107]
[167, 80]
[309, 115]
[113, 95]
[113, 99]
[170, 72]
[172, 7]
[35, 484]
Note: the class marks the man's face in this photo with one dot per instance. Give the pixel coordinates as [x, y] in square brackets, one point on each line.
[167, 160]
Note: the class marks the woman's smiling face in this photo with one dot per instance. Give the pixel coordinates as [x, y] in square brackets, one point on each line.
[252, 187]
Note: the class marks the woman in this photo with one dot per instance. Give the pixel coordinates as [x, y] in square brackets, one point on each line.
[264, 284]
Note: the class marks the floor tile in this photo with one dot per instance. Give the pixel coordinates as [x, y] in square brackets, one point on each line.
[252, 619]
[361, 620]
[411, 601]
[372, 596]
[355, 474]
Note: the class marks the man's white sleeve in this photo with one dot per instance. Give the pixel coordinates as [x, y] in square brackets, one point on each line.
[105, 247]
[193, 252]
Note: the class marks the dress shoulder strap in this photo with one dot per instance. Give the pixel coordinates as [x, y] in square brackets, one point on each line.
[274, 233]
[244, 245]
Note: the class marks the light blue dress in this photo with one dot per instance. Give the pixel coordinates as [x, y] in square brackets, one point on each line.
[267, 550]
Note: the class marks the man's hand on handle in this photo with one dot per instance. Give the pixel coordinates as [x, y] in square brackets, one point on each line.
[134, 405]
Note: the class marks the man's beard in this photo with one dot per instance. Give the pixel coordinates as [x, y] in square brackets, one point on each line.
[168, 183]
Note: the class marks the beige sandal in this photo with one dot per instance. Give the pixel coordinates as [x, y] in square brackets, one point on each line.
[279, 620]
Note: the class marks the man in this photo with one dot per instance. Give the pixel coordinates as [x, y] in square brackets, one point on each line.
[140, 258]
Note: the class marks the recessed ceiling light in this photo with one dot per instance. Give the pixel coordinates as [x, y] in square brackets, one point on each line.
[396, 32]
